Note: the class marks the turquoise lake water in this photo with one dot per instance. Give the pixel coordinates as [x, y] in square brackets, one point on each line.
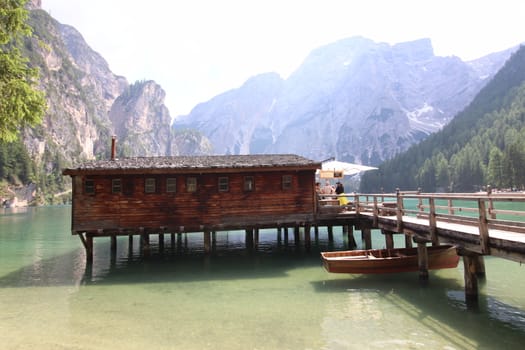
[277, 297]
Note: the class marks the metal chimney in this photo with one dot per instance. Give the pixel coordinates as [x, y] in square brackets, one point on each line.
[113, 147]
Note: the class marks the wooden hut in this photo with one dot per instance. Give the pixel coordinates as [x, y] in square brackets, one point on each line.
[191, 194]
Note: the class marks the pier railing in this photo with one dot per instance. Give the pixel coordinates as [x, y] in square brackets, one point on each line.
[499, 211]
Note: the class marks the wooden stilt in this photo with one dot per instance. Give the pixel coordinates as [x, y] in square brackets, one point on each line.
[249, 239]
[256, 238]
[172, 241]
[130, 245]
[389, 239]
[408, 241]
[479, 261]
[279, 230]
[422, 260]
[113, 244]
[307, 239]
[330, 233]
[161, 242]
[89, 249]
[316, 231]
[471, 280]
[179, 240]
[286, 235]
[367, 237]
[207, 242]
[296, 236]
[352, 244]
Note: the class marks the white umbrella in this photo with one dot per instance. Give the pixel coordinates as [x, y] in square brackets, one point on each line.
[336, 169]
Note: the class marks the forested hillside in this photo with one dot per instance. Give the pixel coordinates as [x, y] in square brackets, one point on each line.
[483, 145]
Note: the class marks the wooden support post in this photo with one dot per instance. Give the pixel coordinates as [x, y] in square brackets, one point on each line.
[113, 244]
[207, 242]
[432, 222]
[422, 260]
[130, 245]
[180, 246]
[286, 235]
[479, 263]
[249, 239]
[307, 239]
[389, 238]
[296, 237]
[367, 237]
[316, 232]
[161, 242]
[213, 240]
[408, 241]
[172, 240]
[471, 280]
[279, 237]
[352, 244]
[399, 211]
[89, 249]
[376, 213]
[483, 227]
[256, 237]
[330, 233]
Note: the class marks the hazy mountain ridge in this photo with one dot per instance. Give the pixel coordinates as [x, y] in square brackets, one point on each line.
[354, 99]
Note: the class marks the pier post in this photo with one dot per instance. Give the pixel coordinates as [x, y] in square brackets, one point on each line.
[161, 242]
[207, 242]
[89, 249]
[307, 239]
[296, 237]
[422, 260]
[366, 233]
[113, 244]
[408, 241]
[172, 241]
[130, 245]
[256, 237]
[330, 233]
[471, 280]
[351, 240]
[389, 238]
[249, 238]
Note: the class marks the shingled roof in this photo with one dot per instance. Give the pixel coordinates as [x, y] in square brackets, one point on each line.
[188, 163]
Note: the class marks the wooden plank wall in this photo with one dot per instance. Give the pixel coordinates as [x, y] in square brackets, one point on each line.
[267, 204]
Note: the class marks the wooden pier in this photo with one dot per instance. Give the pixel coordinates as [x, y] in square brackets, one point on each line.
[145, 196]
[477, 224]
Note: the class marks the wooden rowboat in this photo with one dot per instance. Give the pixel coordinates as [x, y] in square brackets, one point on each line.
[388, 260]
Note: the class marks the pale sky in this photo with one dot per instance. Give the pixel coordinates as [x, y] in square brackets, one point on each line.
[197, 49]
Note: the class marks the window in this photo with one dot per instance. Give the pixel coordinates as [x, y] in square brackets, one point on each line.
[150, 185]
[287, 182]
[116, 185]
[128, 187]
[224, 184]
[191, 184]
[89, 187]
[248, 183]
[171, 185]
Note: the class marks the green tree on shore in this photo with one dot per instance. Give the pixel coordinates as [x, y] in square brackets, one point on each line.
[21, 103]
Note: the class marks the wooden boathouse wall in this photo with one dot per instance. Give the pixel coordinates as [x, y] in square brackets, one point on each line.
[110, 197]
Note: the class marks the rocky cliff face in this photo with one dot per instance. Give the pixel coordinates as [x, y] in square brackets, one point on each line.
[87, 104]
[357, 100]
